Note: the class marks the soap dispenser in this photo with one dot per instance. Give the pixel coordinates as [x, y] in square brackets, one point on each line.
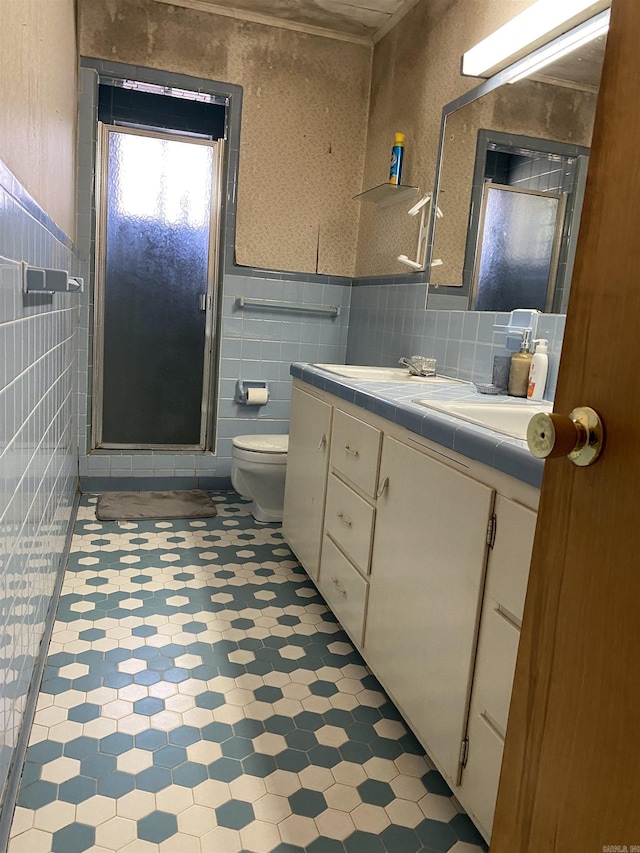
[538, 370]
[520, 365]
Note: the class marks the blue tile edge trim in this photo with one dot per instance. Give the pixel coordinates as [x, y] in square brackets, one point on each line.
[287, 275]
[12, 185]
[19, 753]
[490, 448]
[401, 278]
[96, 485]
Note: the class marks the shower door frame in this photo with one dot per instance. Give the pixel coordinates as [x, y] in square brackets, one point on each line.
[554, 259]
[207, 434]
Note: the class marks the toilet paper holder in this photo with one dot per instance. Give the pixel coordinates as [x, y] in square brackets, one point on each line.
[242, 388]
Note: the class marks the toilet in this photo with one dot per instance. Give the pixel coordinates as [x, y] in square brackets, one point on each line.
[258, 468]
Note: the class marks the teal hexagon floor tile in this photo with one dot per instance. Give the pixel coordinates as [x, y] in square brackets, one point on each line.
[77, 790]
[234, 814]
[157, 827]
[307, 803]
[75, 838]
[116, 784]
[153, 779]
[44, 752]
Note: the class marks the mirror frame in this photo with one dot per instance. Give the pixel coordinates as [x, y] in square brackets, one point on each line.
[484, 88]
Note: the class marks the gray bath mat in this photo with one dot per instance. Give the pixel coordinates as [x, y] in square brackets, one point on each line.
[131, 506]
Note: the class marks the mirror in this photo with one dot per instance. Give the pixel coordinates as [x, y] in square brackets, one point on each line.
[510, 184]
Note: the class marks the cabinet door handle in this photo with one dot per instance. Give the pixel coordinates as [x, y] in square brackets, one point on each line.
[338, 586]
[383, 487]
[323, 441]
[340, 516]
[351, 450]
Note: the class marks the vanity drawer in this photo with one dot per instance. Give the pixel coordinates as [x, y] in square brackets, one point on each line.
[344, 589]
[495, 667]
[508, 571]
[481, 774]
[349, 520]
[355, 451]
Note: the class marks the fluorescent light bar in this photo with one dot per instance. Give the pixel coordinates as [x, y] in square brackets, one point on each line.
[563, 45]
[533, 28]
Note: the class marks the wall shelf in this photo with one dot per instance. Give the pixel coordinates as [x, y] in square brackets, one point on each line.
[387, 194]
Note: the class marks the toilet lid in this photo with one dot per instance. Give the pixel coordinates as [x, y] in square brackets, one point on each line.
[262, 443]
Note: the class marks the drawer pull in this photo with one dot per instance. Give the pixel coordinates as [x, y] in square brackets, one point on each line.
[508, 617]
[351, 450]
[341, 517]
[323, 442]
[383, 487]
[338, 586]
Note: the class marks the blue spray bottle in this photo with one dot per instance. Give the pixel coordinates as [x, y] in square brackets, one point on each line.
[395, 172]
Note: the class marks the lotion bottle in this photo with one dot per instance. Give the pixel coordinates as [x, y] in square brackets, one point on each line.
[520, 364]
[538, 370]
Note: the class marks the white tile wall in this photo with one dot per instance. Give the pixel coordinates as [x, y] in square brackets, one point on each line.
[38, 451]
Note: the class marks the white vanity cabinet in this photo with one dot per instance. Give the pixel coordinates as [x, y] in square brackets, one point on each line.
[501, 618]
[427, 573]
[307, 460]
[423, 555]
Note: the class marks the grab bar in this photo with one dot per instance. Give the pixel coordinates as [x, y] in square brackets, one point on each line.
[275, 305]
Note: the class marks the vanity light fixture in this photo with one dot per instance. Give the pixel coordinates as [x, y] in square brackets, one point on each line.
[528, 31]
[419, 264]
[579, 36]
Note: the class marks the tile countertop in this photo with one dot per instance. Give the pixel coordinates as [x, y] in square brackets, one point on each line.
[393, 401]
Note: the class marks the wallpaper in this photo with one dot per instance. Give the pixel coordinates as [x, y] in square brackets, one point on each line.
[416, 71]
[305, 102]
[38, 103]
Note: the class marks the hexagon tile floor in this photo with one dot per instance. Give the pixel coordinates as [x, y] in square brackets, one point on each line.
[200, 698]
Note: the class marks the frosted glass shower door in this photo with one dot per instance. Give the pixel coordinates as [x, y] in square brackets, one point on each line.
[154, 297]
[518, 243]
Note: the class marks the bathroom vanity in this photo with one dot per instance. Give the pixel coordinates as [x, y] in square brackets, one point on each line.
[422, 552]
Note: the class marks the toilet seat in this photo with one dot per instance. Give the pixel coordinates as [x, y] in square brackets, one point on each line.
[267, 444]
[259, 464]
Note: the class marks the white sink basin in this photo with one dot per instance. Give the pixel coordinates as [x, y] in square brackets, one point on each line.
[504, 416]
[380, 374]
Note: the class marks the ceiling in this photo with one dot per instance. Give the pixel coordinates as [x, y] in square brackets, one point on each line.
[581, 69]
[360, 21]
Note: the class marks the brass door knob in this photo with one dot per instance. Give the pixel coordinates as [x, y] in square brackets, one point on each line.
[580, 436]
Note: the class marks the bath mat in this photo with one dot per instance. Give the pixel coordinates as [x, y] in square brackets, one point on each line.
[132, 506]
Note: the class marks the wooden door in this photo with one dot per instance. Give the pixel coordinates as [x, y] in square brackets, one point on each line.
[571, 774]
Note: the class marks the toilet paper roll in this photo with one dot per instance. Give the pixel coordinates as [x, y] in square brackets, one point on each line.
[257, 396]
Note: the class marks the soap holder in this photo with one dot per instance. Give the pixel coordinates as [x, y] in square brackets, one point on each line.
[488, 388]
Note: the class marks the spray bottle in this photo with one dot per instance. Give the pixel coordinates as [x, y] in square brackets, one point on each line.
[395, 172]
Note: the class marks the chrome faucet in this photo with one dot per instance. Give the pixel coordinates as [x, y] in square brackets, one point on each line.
[418, 366]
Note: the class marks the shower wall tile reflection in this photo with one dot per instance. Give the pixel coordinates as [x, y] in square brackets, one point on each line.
[38, 455]
[388, 321]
